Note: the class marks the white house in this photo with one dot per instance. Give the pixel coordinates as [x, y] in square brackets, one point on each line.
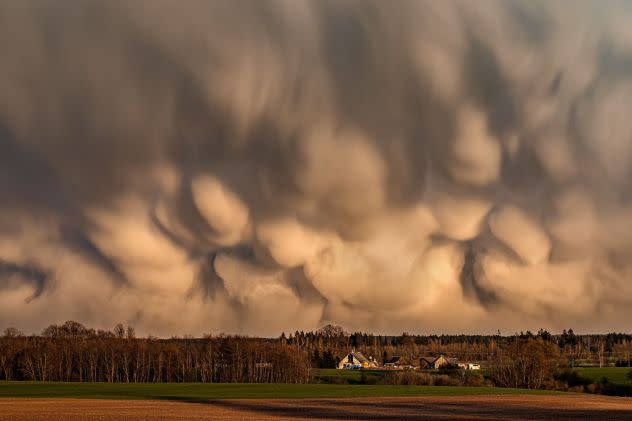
[355, 360]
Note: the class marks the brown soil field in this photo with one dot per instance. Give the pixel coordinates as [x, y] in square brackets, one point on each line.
[439, 407]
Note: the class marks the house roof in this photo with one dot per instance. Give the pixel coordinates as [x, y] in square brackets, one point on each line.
[359, 356]
[393, 360]
[432, 360]
[401, 361]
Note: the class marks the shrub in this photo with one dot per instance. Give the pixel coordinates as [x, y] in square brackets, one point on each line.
[445, 380]
[553, 384]
[474, 379]
[338, 380]
[450, 370]
[408, 378]
[572, 378]
[572, 381]
[613, 389]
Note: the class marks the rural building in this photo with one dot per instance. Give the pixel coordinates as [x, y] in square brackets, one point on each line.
[433, 363]
[392, 362]
[355, 360]
[398, 362]
[469, 366]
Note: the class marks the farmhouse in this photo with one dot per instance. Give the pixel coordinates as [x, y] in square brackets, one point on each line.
[355, 360]
[434, 363]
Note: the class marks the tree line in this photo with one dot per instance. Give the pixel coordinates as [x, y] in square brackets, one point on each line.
[572, 348]
[72, 352]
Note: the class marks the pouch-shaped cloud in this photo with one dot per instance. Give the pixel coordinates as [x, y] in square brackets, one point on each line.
[222, 209]
[265, 165]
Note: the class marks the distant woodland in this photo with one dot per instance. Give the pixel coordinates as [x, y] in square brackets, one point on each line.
[73, 352]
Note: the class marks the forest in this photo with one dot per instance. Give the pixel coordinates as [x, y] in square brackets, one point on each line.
[74, 352]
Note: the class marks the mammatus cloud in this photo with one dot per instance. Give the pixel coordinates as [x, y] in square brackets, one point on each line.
[259, 166]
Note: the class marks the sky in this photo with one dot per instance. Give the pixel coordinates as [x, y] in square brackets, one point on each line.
[264, 166]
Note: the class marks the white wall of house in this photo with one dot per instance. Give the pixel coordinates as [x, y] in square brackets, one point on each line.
[348, 360]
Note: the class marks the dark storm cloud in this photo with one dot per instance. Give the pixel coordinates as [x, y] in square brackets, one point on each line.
[263, 164]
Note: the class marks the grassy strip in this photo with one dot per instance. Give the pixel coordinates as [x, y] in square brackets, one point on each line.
[353, 374]
[208, 391]
[349, 376]
[615, 375]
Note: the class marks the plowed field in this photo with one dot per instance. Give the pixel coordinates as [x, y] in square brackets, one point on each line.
[426, 407]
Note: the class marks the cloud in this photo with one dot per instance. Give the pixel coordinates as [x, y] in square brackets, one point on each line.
[259, 166]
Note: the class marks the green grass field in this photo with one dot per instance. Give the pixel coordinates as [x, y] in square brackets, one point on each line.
[614, 374]
[327, 375]
[208, 391]
[331, 372]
